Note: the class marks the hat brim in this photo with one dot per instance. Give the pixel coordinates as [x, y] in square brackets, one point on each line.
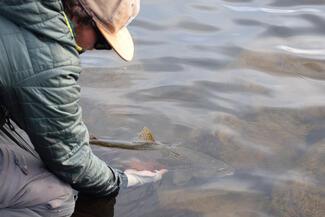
[120, 41]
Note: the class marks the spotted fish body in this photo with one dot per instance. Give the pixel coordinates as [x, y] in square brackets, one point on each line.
[144, 141]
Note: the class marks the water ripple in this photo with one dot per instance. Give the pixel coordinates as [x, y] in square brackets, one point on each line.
[273, 10]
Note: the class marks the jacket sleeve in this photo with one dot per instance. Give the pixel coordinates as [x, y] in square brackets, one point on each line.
[48, 105]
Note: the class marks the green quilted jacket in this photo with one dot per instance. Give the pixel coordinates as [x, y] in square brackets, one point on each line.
[39, 69]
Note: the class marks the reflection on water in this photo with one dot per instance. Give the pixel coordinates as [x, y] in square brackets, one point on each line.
[232, 84]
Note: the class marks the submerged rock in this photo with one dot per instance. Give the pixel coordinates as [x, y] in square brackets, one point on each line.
[299, 198]
[263, 139]
[304, 196]
[216, 202]
[280, 141]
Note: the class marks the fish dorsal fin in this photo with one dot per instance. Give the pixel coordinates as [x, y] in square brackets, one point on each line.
[146, 135]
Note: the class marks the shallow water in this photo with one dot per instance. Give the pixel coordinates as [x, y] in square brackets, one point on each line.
[241, 82]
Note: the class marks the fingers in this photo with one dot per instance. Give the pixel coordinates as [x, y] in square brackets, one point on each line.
[139, 172]
[162, 171]
[158, 174]
[136, 178]
[145, 172]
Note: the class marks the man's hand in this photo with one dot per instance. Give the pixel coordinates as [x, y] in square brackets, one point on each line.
[137, 178]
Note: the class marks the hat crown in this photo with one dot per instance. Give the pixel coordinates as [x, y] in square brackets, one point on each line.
[112, 14]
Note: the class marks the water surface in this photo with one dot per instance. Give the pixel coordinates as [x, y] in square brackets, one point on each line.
[240, 82]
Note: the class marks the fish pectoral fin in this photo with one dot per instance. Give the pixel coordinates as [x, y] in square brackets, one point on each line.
[172, 154]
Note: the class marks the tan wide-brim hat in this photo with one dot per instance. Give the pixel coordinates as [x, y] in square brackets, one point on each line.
[111, 18]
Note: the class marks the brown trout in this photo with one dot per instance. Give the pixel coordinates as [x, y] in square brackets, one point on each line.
[184, 162]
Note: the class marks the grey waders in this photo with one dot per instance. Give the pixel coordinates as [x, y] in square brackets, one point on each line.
[27, 188]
